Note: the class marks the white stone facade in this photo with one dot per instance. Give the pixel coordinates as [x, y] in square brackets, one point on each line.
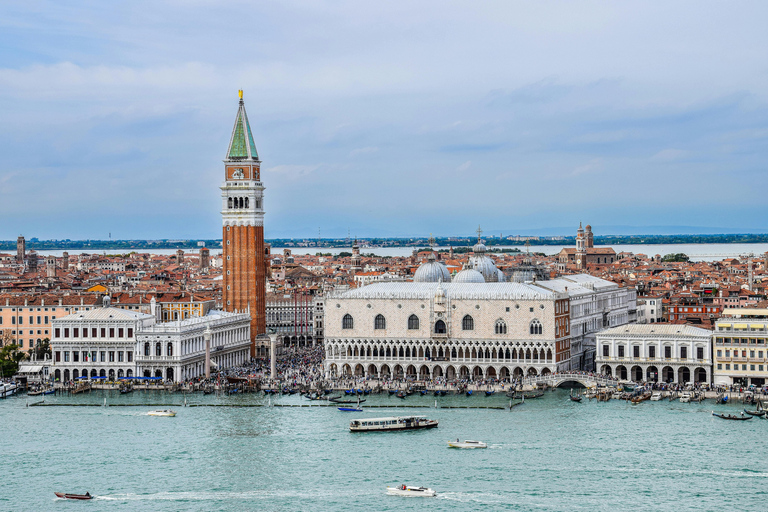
[175, 351]
[96, 343]
[656, 353]
[451, 330]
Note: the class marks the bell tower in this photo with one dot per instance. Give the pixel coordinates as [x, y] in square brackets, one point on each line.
[242, 212]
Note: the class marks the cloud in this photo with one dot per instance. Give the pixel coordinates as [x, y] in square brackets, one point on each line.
[363, 151]
[465, 166]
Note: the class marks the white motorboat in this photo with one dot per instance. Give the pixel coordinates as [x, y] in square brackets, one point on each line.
[467, 443]
[163, 412]
[407, 490]
[685, 397]
[656, 396]
[7, 389]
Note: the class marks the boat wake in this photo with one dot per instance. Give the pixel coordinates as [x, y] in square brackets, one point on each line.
[219, 495]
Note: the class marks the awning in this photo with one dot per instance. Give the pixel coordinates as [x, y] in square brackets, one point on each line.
[30, 369]
[756, 326]
[724, 325]
[739, 326]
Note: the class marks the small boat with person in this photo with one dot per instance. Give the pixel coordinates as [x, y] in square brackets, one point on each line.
[467, 444]
[759, 413]
[407, 490]
[69, 496]
[731, 416]
[162, 412]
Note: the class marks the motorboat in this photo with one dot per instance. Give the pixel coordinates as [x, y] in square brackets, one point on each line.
[391, 423]
[162, 412]
[7, 389]
[656, 396]
[685, 397]
[350, 409]
[407, 490]
[467, 443]
[68, 496]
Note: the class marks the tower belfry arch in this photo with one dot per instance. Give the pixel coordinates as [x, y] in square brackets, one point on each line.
[244, 253]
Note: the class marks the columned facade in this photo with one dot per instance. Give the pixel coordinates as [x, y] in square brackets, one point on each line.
[675, 353]
[244, 259]
[455, 331]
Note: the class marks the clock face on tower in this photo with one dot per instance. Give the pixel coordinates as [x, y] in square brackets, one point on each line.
[578, 261]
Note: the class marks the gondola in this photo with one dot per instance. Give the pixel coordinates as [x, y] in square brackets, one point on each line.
[489, 393]
[731, 417]
[409, 392]
[349, 391]
[347, 401]
[366, 391]
[755, 413]
[469, 392]
[423, 392]
[126, 390]
[68, 496]
[575, 398]
[327, 391]
[392, 391]
[400, 394]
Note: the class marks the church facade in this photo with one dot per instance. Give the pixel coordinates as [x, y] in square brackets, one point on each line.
[585, 254]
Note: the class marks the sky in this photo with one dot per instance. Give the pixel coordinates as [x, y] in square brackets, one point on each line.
[395, 118]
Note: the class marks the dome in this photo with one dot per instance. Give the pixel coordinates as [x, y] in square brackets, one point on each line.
[484, 264]
[469, 275]
[479, 247]
[502, 277]
[432, 272]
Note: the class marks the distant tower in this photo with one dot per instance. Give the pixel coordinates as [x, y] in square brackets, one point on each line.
[65, 260]
[581, 250]
[179, 256]
[357, 263]
[32, 261]
[590, 238]
[750, 274]
[50, 266]
[242, 211]
[205, 258]
[21, 249]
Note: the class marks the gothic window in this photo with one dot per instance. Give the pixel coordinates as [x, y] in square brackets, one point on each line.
[468, 323]
[501, 327]
[246, 202]
[170, 349]
[229, 203]
[439, 327]
[347, 322]
[413, 322]
[146, 349]
[241, 202]
[453, 353]
[158, 349]
[380, 322]
[535, 327]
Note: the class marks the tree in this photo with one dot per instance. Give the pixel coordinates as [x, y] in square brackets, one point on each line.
[43, 349]
[344, 254]
[675, 258]
[10, 357]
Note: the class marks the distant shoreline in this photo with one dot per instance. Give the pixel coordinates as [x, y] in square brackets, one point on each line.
[369, 243]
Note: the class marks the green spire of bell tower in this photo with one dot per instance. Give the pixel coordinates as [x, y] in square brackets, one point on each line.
[241, 145]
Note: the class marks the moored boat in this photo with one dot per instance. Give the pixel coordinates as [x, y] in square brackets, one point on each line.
[68, 496]
[391, 423]
[656, 396]
[467, 444]
[685, 397]
[162, 412]
[407, 490]
[755, 413]
[350, 409]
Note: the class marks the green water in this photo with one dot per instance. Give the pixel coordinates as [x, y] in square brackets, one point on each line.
[547, 454]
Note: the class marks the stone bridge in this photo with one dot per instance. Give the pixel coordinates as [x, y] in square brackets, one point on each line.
[555, 379]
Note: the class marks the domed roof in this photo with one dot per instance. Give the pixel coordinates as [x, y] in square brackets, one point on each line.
[502, 277]
[479, 247]
[432, 272]
[468, 275]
